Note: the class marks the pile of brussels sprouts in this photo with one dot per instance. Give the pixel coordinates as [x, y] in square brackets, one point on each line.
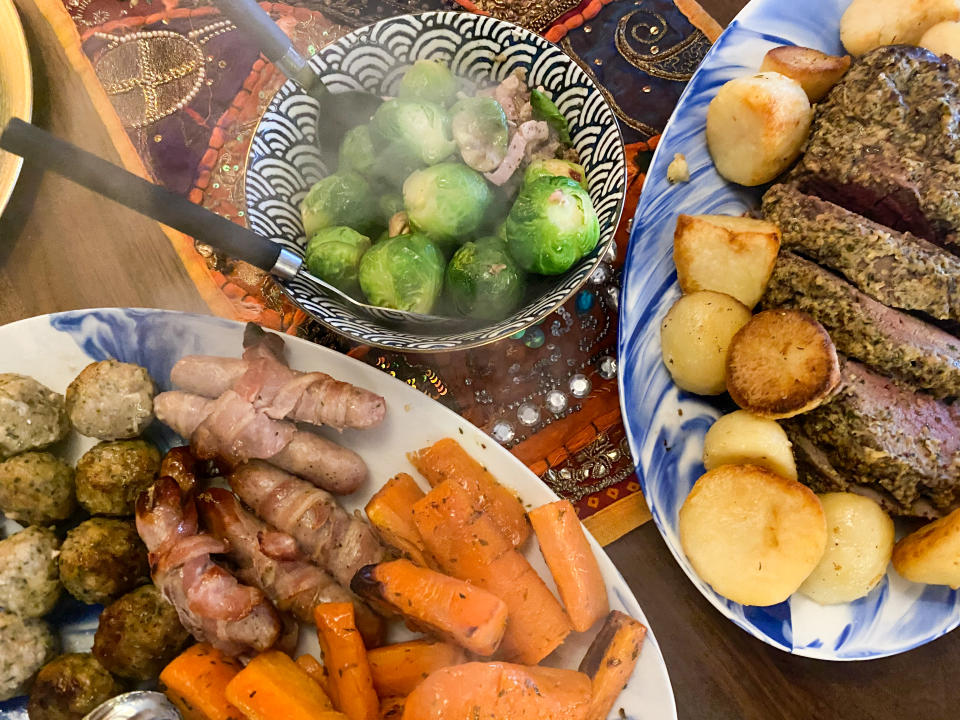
[409, 221]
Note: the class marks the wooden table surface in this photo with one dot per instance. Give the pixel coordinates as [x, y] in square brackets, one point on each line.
[62, 248]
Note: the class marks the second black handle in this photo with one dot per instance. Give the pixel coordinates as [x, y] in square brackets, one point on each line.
[40, 148]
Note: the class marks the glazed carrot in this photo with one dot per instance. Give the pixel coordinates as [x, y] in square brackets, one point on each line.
[390, 512]
[447, 460]
[455, 532]
[433, 602]
[274, 686]
[500, 691]
[610, 660]
[196, 682]
[397, 669]
[572, 563]
[351, 684]
[391, 708]
[468, 546]
[312, 667]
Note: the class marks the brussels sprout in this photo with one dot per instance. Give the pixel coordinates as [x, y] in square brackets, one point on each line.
[333, 254]
[339, 199]
[544, 109]
[557, 168]
[356, 151]
[428, 80]
[551, 225]
[395, 163]
[403, 273]
[419, 128]
[446, 201]
[483, 281]
[480, 130]
[390, 204]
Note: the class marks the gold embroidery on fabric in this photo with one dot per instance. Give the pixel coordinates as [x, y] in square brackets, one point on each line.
[149, 75]
[646, 28]
[590, 470]
[536, 15]
[642, 127]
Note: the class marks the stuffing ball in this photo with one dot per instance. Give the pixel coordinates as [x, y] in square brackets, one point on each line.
[111, 400]
[70, 687]
[111, 475]
[27, 644]
[29, 579]
[139, 634]
[101, 559]
[37, 488]
[32, 416]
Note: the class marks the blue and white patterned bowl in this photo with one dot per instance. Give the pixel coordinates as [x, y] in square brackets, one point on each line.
[666, 425]
[285, 160]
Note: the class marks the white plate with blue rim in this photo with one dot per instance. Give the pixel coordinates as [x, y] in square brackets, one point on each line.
[54, 348]
[666, 426]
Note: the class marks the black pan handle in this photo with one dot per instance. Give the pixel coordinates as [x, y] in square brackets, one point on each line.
[40, 148]
[272, 41]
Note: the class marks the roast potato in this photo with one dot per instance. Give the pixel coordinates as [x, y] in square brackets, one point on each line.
[694, 337]
[931, 554]
[816, 71]
[869, 24]
[728, 254]
[943, 39]
[781, 363]
[859, 543]
[740, 438]
[752, 535]
[756, 127]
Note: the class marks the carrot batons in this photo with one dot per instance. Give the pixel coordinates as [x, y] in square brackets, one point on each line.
[273, 686]
[312, 667]
[397, 669]
[463, 613]
[390, 512]
[572, 563]
[447, 460]
[351, 684]
[610, 660]
[196, 682]
[500, 691]
[391, 708]
[468, 546]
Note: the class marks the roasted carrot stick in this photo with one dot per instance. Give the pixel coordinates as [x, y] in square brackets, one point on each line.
[196, 682]
[572, 563]
[500, 691]
[351, 684]
[610, 660]
[274, 686]
[312, 667]
[430, 601]
[455, 532]
[468, 546]
[390, 511]
[397, 669]
[447, 460]
[391, 708]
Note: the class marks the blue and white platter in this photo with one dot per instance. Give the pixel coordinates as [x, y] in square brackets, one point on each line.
[666, 426]
[55, 348]
[286, 158]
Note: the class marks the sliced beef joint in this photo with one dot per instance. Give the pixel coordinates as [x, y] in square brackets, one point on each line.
[887, 340]
[897, 269]
[874, 430]
[885, 143]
